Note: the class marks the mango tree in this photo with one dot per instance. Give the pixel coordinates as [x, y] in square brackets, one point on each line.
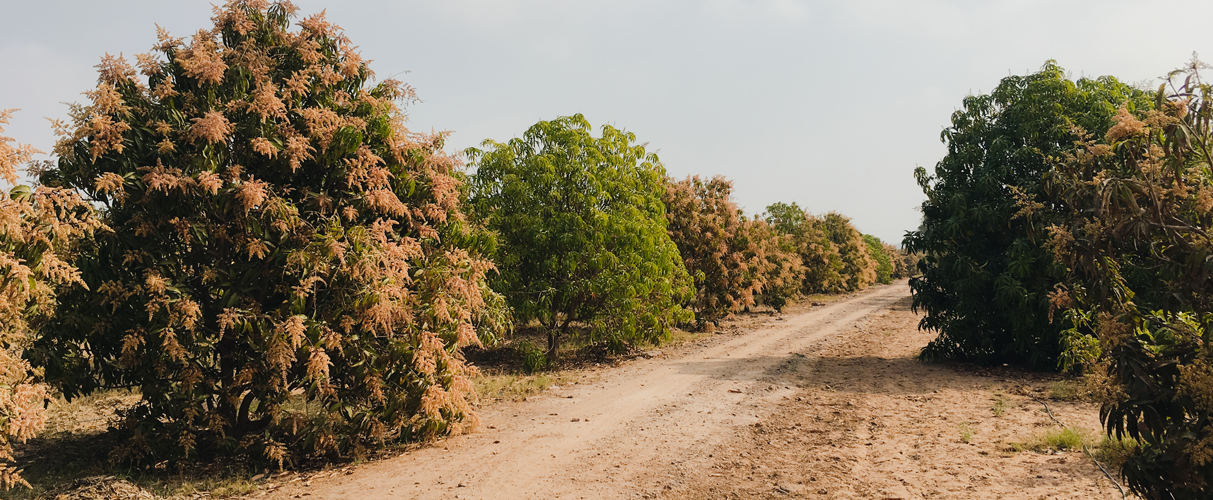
[582, 232]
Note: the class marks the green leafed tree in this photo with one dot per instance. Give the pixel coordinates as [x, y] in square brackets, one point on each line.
[879, 253]
[288, 273]
[986, 278]
[582, 232]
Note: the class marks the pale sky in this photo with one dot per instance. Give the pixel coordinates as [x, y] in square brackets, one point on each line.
[827, 104]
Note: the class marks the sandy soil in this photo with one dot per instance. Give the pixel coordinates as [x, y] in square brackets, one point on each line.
[825, 402]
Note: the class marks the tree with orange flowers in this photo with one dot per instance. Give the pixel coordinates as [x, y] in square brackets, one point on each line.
[288, 271]
[39, 229]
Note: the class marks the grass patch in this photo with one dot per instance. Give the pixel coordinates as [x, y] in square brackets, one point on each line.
[679, 337]
[223, 486]
[1000, 404]
[89, 414]
[1068, 438]
[512, 386]
[1066, 390]
[966, 432]
[1114, 452]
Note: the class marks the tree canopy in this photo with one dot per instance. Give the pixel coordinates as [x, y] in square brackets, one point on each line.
[288, 269]
[986, 277]
[833, 254]
[1138, 294]
[720, 248]
[582, 231]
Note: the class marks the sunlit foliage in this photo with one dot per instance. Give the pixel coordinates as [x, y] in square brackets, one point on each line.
[582, 232]
[38, 231]
[833, 253]
[288, 272]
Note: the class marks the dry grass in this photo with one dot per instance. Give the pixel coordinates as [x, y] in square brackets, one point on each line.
[88, 414]
[1067, 390]
[75, 445]
[514, 386]
[679, 338]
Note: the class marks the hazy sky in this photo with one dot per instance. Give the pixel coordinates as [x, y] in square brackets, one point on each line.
[827, 104]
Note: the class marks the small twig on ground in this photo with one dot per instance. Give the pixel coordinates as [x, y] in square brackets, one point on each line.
[1050, 412]
[1085, 450]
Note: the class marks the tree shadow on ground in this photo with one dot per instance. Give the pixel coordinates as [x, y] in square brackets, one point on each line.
[861, 374]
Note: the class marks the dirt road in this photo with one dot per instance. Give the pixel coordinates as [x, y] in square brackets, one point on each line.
[823, 403]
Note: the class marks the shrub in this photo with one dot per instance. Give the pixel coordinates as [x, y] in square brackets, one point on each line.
[777, 266]
[1135, 240]
[833, 253]
[986, 277]
[884, 260]
[582, 232]
[533, 357]
[289, 270]
[39, 232]
[709, 231]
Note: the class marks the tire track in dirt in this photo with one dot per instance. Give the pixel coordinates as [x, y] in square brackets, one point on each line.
[600, 440]
[872, 422]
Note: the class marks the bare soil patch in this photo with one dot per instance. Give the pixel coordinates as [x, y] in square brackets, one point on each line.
[827, 401]
[870, 421]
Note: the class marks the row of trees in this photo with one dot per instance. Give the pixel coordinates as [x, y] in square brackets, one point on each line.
[243, 228]
[1068, 227]
[591, 232]
[739, 262]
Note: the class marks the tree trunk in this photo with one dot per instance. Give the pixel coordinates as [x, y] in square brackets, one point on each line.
[553, 343]
[554, 335]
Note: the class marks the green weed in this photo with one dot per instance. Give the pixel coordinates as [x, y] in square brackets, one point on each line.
[533, 357]
[966, 432]
[1000, 404]
[1068, 438]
